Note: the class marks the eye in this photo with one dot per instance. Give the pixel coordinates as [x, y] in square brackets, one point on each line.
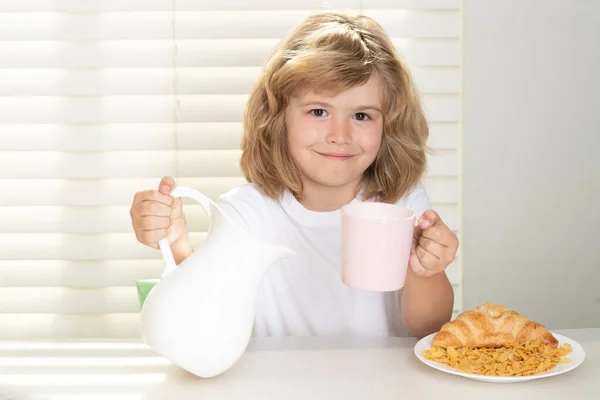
[318, 112]
[362, 117]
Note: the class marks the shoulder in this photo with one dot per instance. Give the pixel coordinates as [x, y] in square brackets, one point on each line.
[416, 200]
[245, 195]
[247, 205]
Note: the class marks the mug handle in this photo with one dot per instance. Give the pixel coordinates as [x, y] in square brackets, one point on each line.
[414, 215]
[163, 244]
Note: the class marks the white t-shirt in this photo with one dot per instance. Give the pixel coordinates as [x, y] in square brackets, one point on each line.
[304, 295]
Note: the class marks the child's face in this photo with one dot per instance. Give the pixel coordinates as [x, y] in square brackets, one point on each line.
[335, 139]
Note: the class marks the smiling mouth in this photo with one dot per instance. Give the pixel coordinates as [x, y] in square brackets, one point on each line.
[337, 156]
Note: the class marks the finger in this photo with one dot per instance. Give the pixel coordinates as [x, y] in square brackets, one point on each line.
[151, 223]
[430, 219]
[416, 235]
[417, 267]
[176, 228]
[154, 195]
[166, 185]
[449, 253]
[155, 209]
[438, 235]
[177, 209]
[152, 238]
[442, 235]
[427, 260]
[431, 247]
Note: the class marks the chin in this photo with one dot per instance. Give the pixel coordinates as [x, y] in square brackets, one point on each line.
[334, 181]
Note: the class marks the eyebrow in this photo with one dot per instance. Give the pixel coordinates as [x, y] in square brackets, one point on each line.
[327, 105]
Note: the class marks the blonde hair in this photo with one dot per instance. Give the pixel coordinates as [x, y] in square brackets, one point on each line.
[333, 52]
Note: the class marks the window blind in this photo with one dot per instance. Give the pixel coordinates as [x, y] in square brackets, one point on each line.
[101, 99]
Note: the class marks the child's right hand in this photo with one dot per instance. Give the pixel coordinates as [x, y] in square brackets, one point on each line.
[156, 215]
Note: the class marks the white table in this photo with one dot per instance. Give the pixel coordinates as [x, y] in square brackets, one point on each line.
[290, 368]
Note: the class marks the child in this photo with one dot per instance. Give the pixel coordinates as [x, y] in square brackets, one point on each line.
[333, 119]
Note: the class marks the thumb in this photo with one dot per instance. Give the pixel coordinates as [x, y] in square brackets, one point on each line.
[428, 219]
[166, 185]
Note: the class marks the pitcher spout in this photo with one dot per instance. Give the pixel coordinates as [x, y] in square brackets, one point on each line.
[271, 253]
[286, 252]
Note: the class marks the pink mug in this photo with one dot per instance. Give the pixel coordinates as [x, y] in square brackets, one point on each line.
[375, 245]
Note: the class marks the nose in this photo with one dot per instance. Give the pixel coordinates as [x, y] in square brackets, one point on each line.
[339, 133]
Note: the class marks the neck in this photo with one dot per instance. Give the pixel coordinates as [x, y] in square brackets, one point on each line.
[326, 198]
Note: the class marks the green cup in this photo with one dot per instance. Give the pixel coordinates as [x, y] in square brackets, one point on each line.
[144, 287]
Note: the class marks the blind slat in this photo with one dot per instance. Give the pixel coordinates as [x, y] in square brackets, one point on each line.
[190, 53]
[56, 246]
[125, 164]
[34, 273]
[98, 192]
[68, 300]
[316, 4]
[416, 24]
[244, 52]
[104, 137]
[443, 164]
[56, 326]
[164, 81]
[83, 326]
[142, 164]
[104, 54]
[161, 109]
[107, 300]
[116, 219]
[437, 80]
[110, 192]
[148, 25]
[45, 109]
[133, 25]
[429, 52]
[101, 82]
[229, 108]
[277, 23]
[79, 6]
[236, 80]
[37, 164]
[159, 136]
[94, 274]
[421, 4]
[443, 135]
[442, 190]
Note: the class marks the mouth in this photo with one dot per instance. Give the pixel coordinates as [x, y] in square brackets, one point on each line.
[336, 156]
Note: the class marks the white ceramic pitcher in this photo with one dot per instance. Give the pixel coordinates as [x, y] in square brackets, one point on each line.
[200, 314]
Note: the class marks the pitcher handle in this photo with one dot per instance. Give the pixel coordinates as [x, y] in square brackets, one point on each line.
[165, 247]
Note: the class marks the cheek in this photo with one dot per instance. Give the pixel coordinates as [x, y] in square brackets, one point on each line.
[371, 141]
[302, 134]
[295, 140]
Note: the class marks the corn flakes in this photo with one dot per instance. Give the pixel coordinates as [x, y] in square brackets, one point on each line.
[513, 359]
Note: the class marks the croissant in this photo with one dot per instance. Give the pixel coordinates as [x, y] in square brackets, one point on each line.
[491, 325]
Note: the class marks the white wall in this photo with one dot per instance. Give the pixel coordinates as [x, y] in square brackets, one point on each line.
[531, 158]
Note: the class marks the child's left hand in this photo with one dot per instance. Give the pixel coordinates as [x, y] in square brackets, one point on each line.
[434, 246]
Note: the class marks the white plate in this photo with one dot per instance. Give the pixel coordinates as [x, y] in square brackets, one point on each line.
[576, 356]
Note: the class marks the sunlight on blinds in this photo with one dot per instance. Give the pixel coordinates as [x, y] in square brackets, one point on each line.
[101, 99]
